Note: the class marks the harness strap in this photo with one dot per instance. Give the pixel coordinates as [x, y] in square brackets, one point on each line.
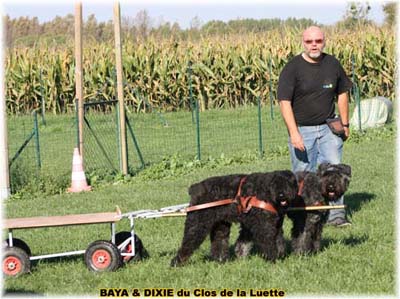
[253, 201]
[210, 204]
[242, 181]
[244, 203]
[240, 200]
[301, 185]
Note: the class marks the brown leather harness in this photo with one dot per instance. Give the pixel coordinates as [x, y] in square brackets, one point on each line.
[244, 203]
[301, 186]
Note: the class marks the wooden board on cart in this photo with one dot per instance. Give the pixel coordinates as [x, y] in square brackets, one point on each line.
[64, 220]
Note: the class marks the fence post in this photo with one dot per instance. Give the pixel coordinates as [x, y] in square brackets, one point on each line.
[43, 102]
[37, 145]
[77, 122]
[189, 68]
[118, 136]
[120, 87]
[79, 72]
[271, 98]
[260, 140]
[198, 130]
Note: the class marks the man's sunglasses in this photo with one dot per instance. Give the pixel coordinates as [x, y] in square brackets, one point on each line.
[310, 41]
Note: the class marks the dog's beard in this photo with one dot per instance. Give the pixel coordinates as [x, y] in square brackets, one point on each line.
[332, 191]
[282, 200]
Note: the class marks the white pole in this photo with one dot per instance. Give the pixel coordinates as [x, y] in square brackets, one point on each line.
[4, 170]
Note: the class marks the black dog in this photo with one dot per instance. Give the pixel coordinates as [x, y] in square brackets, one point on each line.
[259, 201]
[328, 184]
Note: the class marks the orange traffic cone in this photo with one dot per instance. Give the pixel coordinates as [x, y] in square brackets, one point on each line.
[78, 178]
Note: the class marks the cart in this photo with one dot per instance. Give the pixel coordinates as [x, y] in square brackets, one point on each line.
[100, 255]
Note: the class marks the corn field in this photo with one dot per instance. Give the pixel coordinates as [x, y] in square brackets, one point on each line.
[221, 72]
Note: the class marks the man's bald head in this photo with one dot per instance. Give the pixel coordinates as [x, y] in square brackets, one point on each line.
[313, 43]
[313, 31]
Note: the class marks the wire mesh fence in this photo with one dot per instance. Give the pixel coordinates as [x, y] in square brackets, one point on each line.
[154, 136]
[101, 137]
[21, 148]
[151, 137]
[45, 153]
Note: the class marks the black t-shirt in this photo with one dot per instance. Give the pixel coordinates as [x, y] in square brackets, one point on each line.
[312, 88]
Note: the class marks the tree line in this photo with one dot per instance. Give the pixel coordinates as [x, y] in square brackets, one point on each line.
[27, 31]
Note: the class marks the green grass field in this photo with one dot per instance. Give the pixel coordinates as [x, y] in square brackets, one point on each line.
[358, 260]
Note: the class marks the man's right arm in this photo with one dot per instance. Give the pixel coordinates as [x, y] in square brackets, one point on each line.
[287, 113]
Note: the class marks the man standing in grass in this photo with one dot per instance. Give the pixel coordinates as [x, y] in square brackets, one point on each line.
[307, 89]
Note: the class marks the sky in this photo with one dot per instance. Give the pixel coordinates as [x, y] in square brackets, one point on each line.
[184, 11]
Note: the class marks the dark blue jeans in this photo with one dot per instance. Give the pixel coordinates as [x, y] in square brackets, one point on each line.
[321, 146]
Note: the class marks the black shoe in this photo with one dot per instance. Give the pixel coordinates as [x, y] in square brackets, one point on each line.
[339, 222]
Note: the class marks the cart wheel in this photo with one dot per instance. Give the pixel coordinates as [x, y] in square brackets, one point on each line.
[15, 262]
[139, 249]
[20, 244]
[102, 256]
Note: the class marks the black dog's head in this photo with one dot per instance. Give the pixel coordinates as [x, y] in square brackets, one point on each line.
[283, 188]
[335, 179]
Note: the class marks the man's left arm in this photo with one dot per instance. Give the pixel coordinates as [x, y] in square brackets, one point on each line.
[343, 107]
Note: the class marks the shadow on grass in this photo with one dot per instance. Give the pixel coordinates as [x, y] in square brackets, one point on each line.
[350, 241]
[354, 201]
[74, 258]
[56, 260]
[254, 251]
[355, 240]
